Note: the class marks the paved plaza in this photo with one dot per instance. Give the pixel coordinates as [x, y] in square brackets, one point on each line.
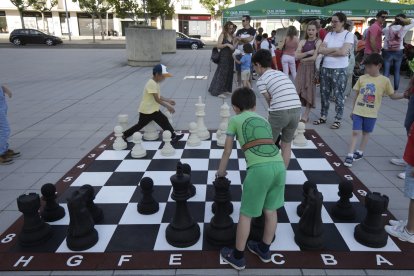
[66, 101]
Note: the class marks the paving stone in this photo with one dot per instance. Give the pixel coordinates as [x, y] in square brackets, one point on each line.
[206, 272]
[314, 272]
[345, 272]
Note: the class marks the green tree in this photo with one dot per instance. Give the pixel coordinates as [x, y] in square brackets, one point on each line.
[215, 7]
[160, 8]
[319, 3]
[128, 9]
[43, 6]
[21, 6]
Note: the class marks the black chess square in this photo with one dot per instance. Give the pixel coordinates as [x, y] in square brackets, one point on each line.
[103, 166]
[195, 153]
[293, 193]
[235, 193]
[323, 177]
[163, 165]
[307, 153]
[63, 198]
[124, 179]
[160, 194]
[294, 165]
[196, 210]
[112, 212]
[232, 165]
[360, 212]
[132, 238]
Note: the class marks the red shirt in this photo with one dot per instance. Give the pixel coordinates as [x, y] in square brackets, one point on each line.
[322, 33]
[409, 148]
[376, 31]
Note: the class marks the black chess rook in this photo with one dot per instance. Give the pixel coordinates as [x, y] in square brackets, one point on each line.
[309, 233]
[182, 231]
[370, 232]
[96, 212]
[191, 187]
[221, 231]
[35, 231]
[343, 209]
[82, 234]
[147, 205]
[52, 210]
[306, 187]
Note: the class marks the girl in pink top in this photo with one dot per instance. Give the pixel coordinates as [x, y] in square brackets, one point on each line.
[291, 43]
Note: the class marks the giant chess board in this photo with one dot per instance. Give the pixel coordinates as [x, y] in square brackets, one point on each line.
[129, 240]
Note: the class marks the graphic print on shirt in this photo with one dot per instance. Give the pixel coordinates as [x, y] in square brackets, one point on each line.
[255, 128]
[368, 95]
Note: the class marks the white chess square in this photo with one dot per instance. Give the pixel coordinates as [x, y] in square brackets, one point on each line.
[131, 215]
[196, 164]
[160, 178]
[330, 192]
[233, 176]
[128, 165]
[203, 145]
[208, 214]
[151, 145]
[105, 233]
[218, 153]
[200, 195]
[290, 207]
[177, 155]
[295, 177]
[115, 194]
[242, 165]
[113, 155]
[314, 164]
[162, 244]
[347, 233]
[309, 145]
[65, 219]
[92, 178]
[285, 239]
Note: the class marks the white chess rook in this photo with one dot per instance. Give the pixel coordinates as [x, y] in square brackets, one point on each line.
[222, 139]
[123, 121]
[203, 133]
[151, 132]
[119, 143]
[168, 149]
[300, 139]
[138, 151]
[193, 140]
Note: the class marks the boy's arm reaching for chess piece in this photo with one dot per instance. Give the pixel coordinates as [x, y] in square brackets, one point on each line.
[167, 103]
[228, 147]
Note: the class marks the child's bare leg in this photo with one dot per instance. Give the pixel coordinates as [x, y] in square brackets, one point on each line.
[364, 141]
[243, 231]
[246, 83]
[410, 222]
[270, 226]
[354, 139]
[305, 116]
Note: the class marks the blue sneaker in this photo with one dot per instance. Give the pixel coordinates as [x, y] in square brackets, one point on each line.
[227, 255]
[348, 161]
[358, 156]
[253, 247]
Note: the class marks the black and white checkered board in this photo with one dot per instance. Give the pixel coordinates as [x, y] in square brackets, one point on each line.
[129, 240]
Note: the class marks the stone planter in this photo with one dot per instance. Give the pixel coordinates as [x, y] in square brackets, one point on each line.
[143, 46]
[169, 41]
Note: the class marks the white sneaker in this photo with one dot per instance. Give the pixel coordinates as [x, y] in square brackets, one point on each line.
[398, 162]
[393, 222]
[400, 233]
[401, 175]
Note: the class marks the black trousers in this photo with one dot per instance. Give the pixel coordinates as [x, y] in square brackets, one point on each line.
[144, 119]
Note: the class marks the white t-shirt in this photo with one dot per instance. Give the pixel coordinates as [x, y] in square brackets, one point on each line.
[281, 89]
[333, 40]
[265, 45]
[397, 28]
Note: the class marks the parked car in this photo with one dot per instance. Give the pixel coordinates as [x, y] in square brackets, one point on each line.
[31, 36]
[184, 41]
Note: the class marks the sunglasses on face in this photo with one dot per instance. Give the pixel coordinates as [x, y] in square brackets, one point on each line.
[243, 20]
[384, 16]
[335, 21]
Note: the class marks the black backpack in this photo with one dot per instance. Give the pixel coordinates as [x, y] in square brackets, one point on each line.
[215, 55]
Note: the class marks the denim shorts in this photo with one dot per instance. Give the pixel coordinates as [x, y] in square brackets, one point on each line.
[363, 123]
[409, 182]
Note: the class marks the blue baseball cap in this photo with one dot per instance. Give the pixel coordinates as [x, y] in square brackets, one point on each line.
[161, 70]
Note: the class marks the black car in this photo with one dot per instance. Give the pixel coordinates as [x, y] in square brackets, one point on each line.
[184, 41]
[31, 36]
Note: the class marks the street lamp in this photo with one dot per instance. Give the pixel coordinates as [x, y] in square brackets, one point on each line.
[67, 20]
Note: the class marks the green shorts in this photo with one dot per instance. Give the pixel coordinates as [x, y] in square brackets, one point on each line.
[263, 188]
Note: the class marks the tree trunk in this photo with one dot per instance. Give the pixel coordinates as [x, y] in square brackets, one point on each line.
[102, 30]
[93, 27]
[21, 18]
[163, 21]
[44, 22]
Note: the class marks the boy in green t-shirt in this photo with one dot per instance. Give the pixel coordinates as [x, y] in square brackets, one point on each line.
[264, 185]
[369, 89]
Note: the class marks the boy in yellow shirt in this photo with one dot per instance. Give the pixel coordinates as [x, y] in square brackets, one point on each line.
[149, 108]
[369, 89]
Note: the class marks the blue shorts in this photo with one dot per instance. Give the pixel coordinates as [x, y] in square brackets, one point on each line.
[363, 123]
[409, 182]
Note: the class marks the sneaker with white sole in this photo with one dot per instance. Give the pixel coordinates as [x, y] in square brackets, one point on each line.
[398, 162]
[348, 161]
[253, 247]
[227, 254]
[358, 156]
[400, 232]
[401, 175]
[394, 222]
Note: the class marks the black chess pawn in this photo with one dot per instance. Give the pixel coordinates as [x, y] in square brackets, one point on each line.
[147, 204]
[35, 231]
[191, 188]
[228, 205]
[96, 212]
[257, 228]
[221, 231]
[309, 233]
[52, 210]
[306, 187]
[343, 209]
[182, 231]
[82, 234]
[370, 232]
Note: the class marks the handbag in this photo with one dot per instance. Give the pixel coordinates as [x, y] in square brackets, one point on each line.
[215, 55]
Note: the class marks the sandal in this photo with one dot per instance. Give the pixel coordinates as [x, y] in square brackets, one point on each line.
[320, 121]
[336, 125]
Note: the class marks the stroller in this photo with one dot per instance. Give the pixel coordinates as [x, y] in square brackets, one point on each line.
[359, 66]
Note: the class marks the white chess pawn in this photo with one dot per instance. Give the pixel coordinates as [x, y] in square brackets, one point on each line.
[138, 151]
[193, 140]
[203, 133]
[222, 139]
[151, 132]
[300, 139]
[123, 121]
[119, 143]
[168, 149]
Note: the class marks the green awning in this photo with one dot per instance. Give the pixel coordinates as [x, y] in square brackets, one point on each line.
[271, 9]
[368, 8]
